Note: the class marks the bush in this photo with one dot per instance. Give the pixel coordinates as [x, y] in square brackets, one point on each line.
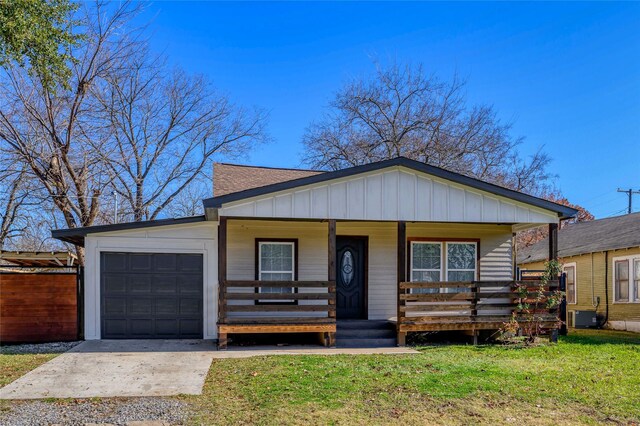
[531, 313]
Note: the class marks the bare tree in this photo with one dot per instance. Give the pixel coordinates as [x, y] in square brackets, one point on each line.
[53, 133]
[24, 208]
[534, 235]
[13, 201]
[166, 126]
[36, 233]
[403, 111]
[189, 201]
[124, 122]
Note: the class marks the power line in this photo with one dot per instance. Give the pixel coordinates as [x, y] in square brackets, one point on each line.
[629, 193]
[589, 200]
[614, 213]
[610, 199]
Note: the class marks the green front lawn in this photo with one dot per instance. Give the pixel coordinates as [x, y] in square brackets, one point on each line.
[589, 377]
[13, 366]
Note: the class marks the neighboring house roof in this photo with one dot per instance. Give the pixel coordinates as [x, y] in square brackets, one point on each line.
[232, 178]
[76, 235]
[589, 237]
[218, 200]
[39, 259]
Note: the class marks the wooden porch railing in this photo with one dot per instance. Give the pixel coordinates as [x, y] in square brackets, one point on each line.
[243, 309]
[477, 305]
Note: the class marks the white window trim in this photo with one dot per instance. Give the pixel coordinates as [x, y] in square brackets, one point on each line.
[636, 298]
[631, 258]
[411, 269]
[292, 271]
[575, 280]
[444, 269]
[475, 260]
[279, 243]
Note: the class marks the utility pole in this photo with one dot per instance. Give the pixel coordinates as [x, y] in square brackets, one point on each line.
[629, 193]
[115, 206]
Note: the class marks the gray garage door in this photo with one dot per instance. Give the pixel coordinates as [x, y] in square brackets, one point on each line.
[151, 295]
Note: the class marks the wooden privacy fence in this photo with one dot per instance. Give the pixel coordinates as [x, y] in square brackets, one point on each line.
[476, 305]
[309, 307]
[38, 307]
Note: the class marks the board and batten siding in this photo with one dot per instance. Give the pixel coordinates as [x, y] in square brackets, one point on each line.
[590, 286]
[495, 253]
[392, 194]
[199, 238]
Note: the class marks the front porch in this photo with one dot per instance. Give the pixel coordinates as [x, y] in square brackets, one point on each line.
[311, 302]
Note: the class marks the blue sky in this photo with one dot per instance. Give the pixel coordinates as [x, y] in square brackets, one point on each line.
[566, 74]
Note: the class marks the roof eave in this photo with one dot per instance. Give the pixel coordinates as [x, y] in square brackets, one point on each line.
[76, 236]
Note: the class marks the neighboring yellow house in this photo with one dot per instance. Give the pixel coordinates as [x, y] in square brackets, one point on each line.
[594, 253]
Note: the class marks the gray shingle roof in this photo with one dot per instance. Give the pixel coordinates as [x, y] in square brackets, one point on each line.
[589, 237]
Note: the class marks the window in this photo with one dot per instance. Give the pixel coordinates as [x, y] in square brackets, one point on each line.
[570, 271]
[276, 262]
[461, 264]
[443, 261]
[426, 264]
[626, 279]
[621, 283]
[636, 280]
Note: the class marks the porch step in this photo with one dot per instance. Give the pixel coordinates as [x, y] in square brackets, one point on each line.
[366, 343]
[352, 333]
[364, 324]
[365, 334]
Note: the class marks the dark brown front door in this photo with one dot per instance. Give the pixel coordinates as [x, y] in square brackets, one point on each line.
[351, 277]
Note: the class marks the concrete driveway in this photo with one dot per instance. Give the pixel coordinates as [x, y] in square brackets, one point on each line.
[124, 368]
[111, 368]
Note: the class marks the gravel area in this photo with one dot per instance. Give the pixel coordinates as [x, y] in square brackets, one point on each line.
[38, 348]
[112, 411]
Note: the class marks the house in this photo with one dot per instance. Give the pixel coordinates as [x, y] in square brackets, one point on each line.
[601, 259]
[282, 250]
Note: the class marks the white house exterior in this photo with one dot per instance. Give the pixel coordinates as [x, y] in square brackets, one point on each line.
[400, 220]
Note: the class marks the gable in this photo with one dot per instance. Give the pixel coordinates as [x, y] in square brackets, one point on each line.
[392, 193]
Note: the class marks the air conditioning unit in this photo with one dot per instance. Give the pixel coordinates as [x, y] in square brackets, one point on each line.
[583, 319]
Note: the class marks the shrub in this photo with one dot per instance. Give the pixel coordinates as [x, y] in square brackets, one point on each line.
[528, 319]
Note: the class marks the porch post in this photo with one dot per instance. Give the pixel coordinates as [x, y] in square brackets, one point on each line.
[553, 255]
[332, 250]
[402, 271]
[553, 241]
[222, 279]
[330, 338]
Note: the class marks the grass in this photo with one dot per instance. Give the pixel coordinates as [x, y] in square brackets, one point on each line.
[13, 366]
[591, 377]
